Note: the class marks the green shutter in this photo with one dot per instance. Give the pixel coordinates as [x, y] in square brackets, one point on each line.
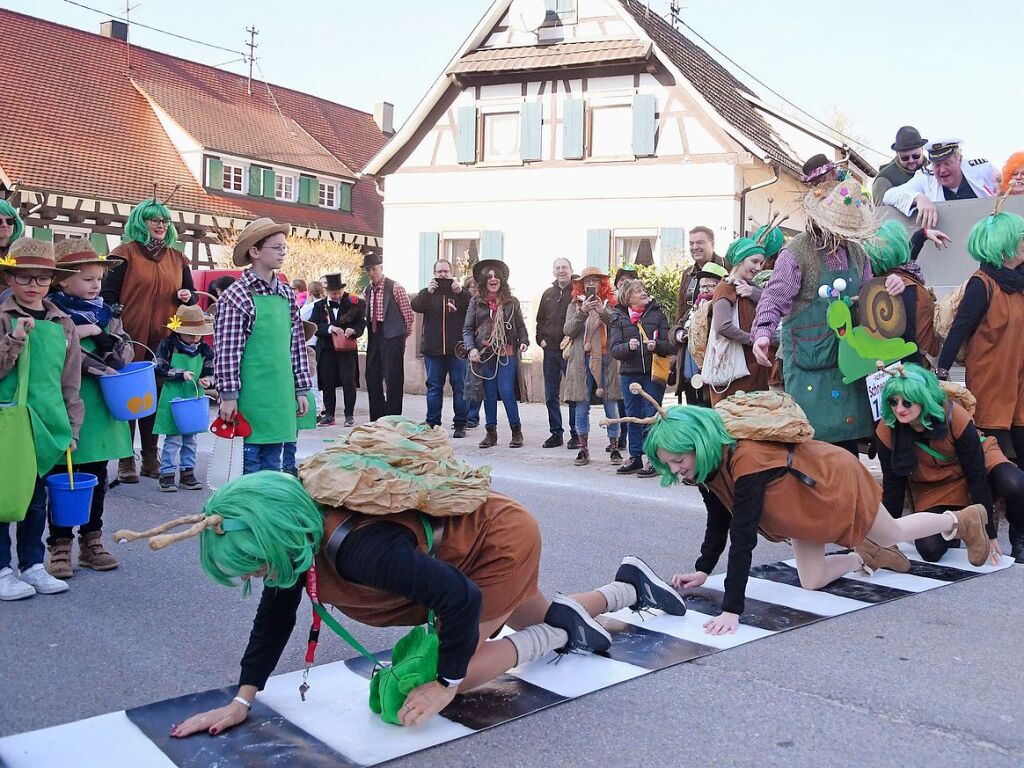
[214, 173]
[268, 182]
[492, 245]
[645, 124]
[429, 242]
[599, 248]
[309, 190]
[345, 197]
[99, 243]
[572, 129]
[673, 244]
[41, 233]
[466, 118]
[531, 119]
[255, 181]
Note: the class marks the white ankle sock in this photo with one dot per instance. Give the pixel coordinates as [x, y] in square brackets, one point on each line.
[952, 534]
[619, 595]
[533, 642]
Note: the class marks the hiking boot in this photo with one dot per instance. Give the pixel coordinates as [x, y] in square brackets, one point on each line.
[349, 421]
[167, 484]
[573, 444]
[13, 588]
[150, 463]
[126, 472]
[60, 559]
[459, 432]
[490, 439]
[187, 480]
[43, 583]
[630, 467]
[323, 420]
[583, 457]
[584, 633]
[92, 553]
[615, 456]
[647, 471]
[1017, 543]
[876, 557]
[553, 441]
[517, 438]
[970, 529]
[651, 590]
[615, 444]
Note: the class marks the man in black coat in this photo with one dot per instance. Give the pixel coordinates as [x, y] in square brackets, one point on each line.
[340, 320]
[551, 313]
[389, 320]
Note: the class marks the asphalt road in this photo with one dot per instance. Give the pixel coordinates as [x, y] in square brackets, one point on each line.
[932, 679]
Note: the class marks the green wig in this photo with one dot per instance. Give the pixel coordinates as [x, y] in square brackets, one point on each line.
[773, 242]
[995, 239]
[135, 230]
[915, 385]
[8, 210]
[742, 248]
[889, 248]
[688, 429]
[269, 521]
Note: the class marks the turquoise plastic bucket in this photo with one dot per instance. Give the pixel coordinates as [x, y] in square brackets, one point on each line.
[130, 393]
[191, 414]
[69, 506]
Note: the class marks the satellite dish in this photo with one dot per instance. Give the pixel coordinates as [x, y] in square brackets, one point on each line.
[527, 15]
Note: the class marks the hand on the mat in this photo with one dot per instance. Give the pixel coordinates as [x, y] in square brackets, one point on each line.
[723, 624]
[215, 721]
[425, 701]
[995, 551]
[689, 580]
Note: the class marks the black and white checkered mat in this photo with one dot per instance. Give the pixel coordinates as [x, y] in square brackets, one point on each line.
[334, 726]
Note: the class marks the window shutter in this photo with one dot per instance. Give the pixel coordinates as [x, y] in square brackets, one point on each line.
[645, 124]
[429, 242]
[99, 243]
[39, 233]
[466, 118]
[531, 118]
[673, 244]
[345, 197]
[255, 180]
[572, 129]
[268, 183]
[599, 248]
[214, 173]
[309, 190]
[492, 245]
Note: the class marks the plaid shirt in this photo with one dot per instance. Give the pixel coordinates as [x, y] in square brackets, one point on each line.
[232, 326]
[401, 299]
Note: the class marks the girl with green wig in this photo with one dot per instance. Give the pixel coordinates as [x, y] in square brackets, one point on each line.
[813, 493]
[11, 226]
[988, 324]
[928, 445]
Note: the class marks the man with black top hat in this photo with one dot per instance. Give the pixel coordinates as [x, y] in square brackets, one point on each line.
[443, 305]
[389, 319]
[949, 177]
[909, 159]
[340, 319]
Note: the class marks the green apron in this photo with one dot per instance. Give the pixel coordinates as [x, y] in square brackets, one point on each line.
[268, 404]
[47, 347]
[810, 354]
[172, 389]
[102, 437]
[309, 420]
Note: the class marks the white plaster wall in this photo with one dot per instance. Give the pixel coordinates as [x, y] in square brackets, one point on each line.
[189, 149]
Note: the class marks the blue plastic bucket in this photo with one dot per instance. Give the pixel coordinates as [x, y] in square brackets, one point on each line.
[191, 414]
[130, 393]
[70, 506]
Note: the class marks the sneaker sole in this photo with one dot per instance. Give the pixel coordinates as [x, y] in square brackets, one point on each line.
[169, 490]
[655, 579]
[12, 598]
[587, 619]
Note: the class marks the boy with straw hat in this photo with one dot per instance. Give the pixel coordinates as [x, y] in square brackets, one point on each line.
[39, 342]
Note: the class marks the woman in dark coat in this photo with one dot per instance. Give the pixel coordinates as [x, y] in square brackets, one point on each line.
[339, 316]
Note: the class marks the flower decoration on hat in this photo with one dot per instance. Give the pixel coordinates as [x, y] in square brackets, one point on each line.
[8, 261]
[174, 323]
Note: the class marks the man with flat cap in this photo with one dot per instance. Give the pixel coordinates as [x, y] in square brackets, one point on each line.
[340, 319]
[949, 177]
[389, 320]
[909, 159]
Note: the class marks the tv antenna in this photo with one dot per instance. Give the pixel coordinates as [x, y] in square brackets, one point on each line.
[252, 48]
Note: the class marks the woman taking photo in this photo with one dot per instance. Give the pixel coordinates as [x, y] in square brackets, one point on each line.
[639, 331]
[590, 369]
[495, 336]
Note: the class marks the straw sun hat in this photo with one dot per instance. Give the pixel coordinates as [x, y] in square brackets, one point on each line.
[843, 209]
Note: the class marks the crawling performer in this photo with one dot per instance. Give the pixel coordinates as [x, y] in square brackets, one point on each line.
[377, 570]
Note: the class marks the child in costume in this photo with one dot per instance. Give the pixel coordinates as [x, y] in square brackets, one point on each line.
[36, 334]
[106, 349]
[185, 364]
[928, 445]
[377, 570]
[708, 278]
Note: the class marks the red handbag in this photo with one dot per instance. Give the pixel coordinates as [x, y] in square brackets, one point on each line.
[230, 429]
[343, 343]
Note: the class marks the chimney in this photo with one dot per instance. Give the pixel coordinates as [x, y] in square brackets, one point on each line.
[384, 117]
[115, 30]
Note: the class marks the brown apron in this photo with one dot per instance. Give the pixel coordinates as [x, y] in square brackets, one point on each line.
[757, 381]
[924, 324]
[149, 293]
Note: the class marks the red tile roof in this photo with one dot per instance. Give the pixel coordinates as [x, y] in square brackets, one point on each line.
[550, 56]
[72, 121]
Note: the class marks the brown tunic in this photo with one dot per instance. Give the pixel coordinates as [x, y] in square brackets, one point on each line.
[924, 324]
[936, 482]
[497, 547]
[149, 292]
[839, 509]
[995, 360]
[759, 375]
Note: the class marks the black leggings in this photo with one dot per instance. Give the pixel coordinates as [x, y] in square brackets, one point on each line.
[1010, 441]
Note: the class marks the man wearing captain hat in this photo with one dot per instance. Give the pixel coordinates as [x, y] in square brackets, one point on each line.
[948, 177]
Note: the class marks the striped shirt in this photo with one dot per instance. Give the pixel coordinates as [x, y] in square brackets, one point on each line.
[232, 326]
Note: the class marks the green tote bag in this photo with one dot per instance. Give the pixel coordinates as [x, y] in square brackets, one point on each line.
[17, 465]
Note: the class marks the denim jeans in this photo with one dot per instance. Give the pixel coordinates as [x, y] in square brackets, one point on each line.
[288, 459]
[554, 370]
[500, 384]
[29, 534]
[257, 457]
[582, 407]
[453, 368]
[169, 458]
[473, 412]
[637, 406]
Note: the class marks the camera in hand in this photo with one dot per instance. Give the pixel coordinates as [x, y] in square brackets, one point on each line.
[591, 292]
[444, 284]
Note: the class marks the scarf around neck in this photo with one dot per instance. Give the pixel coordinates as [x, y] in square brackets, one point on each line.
[82, 311]
[1009, 280]
[904, 441]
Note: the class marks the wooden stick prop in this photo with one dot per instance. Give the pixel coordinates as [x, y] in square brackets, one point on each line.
[157, 541]
[636, 389]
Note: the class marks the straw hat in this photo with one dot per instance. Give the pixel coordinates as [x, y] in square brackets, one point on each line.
[842, 208]
[254, 232]
[29, 253]
[190, 320]
[589, 272]
[78, 251]
[308, 329]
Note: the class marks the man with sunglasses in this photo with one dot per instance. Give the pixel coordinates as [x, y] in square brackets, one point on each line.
[909, 159]
[949, 177]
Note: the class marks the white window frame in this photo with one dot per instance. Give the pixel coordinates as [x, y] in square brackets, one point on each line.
[448, 239]
[648, 233]
[609, 101]
[325, 191]
[507, 108]
[279, 187]
[243, 178]
[67, 232]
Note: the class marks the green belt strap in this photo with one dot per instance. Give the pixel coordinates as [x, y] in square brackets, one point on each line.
[935, 454]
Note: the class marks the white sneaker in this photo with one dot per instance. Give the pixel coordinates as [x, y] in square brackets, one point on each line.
[44, 583]
[13, 588]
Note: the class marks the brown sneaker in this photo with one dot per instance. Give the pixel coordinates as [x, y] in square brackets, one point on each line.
[150, 463]
[876, 557]
[92, 553]
[970, 529]
[126, 472]
[60, 559]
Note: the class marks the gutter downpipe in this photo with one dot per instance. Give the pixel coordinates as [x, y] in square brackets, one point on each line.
[753, 188]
